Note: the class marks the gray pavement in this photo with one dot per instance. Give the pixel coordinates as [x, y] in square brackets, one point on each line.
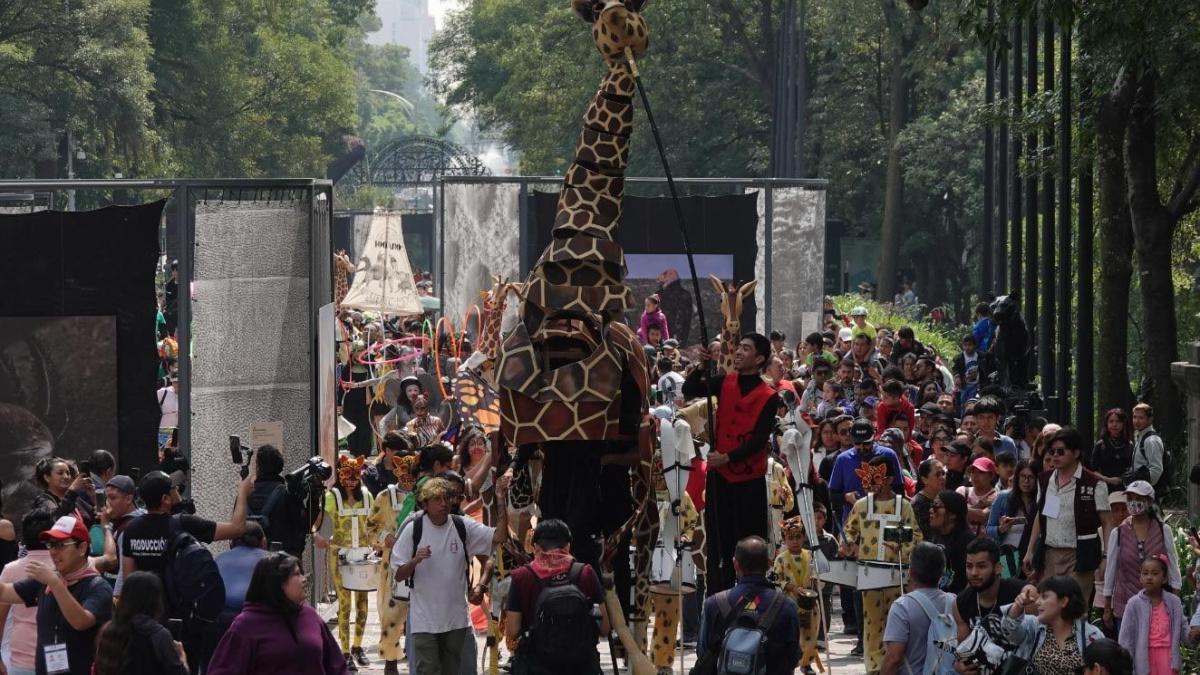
[839, 663]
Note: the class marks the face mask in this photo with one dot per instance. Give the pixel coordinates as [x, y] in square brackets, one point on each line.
[1136, 508]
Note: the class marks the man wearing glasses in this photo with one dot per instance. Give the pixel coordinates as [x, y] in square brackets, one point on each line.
[1070, 502]
[845, 487]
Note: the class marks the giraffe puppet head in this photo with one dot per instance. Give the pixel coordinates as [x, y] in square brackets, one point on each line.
[731, 302]
[616, 25]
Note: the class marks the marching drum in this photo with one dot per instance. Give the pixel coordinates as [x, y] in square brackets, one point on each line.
[662, 571]
[841, 572]
[807, 603]
[873, 575]
[359, 569]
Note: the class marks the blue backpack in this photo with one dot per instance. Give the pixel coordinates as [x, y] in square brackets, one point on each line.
[942, 636]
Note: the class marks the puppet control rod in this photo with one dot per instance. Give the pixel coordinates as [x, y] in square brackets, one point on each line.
[687, 245]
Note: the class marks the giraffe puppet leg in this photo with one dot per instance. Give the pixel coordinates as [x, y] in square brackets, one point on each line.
[666, 621]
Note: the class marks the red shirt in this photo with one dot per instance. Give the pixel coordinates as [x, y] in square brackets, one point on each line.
[526, 586]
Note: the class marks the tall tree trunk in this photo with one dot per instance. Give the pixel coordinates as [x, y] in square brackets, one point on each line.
[1153, 233]
[1116, 249]
[899, 84]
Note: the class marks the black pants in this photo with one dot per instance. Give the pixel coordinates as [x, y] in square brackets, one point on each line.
[732, 512]
[571, 492]
[354, 409]
[616, 506]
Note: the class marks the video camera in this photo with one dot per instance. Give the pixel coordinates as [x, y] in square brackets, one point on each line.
[314, 472]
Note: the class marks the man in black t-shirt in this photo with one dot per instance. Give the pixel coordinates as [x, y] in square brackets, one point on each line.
[73, 600]
[978, 606]
[146, 537]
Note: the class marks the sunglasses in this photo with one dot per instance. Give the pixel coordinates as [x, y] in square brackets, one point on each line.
[1056, 451]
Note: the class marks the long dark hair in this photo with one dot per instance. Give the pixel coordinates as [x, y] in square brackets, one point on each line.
[142, 593]
[1016, 505]
[1103, 431]
[266, 586]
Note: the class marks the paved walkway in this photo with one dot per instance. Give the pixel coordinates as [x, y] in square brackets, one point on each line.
[841, 662]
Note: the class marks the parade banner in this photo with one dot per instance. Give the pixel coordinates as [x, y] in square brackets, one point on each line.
[383, 280]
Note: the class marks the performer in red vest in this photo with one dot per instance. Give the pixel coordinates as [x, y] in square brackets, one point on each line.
[736, 493]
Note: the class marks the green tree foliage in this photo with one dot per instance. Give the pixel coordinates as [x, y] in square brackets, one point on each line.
[196, 87]
[79, 62]
[527, 69]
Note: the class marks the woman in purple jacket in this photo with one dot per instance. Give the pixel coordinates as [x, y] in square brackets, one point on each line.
[276, 632]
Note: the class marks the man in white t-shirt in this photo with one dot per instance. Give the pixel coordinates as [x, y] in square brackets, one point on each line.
[670, 385]
[437, 614]
[168, 404]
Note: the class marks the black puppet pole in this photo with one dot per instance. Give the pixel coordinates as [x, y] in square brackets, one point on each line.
[687, 249]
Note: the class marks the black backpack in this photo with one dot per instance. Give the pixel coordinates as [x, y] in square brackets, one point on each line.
[192, 581]
[563, 625]
[264, 518]
[1143, 473]
[418, 522]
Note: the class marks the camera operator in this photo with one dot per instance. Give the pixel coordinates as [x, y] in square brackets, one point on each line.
[272, 505]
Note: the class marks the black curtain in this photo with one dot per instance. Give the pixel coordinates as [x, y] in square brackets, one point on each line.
[725, 224]
[94, 263]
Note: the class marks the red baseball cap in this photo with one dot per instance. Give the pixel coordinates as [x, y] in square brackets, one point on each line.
[67, 527]
[983, 464]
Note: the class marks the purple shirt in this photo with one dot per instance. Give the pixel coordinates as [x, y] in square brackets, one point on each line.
[260, 642]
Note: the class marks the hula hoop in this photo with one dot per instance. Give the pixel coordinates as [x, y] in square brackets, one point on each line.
[467, 322]
[378, 347]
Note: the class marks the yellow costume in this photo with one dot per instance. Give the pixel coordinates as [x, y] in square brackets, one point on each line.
[864, 527]
[665, 605]
[349, 523]
[781, 499]
[796, 569]
[392, 505]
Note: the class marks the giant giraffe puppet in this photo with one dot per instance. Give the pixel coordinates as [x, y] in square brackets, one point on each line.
[569, 370]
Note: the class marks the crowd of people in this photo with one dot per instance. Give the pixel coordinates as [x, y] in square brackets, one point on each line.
[959, 530]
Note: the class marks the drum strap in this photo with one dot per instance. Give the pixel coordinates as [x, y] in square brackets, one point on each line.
[883, 519]
[343, 511]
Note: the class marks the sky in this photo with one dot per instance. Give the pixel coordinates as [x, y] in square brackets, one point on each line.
[438, 9]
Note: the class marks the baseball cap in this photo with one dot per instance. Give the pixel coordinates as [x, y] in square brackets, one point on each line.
[122, 483]
[67, 527]
[929, 409]
[858, 311]
[862, 431]
[871, 401]
[845, 335]
[983, 464]
[1141, 488]
[1117, 497]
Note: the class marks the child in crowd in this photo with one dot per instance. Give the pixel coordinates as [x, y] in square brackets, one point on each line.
[792, 572]
[653, 316]
[1154, 626]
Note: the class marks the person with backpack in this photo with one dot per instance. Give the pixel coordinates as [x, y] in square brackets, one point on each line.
[752, 627]
[171, 546]
[433, 553]
[1151, 462]
[918, 638]
[71, 597]
[347, 505]
[135, 642]
[555, 608]
[273, 507]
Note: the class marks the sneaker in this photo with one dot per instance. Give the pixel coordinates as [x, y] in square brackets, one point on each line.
[360, 656]
[350, 664]
[391, 668]
[857, 651]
